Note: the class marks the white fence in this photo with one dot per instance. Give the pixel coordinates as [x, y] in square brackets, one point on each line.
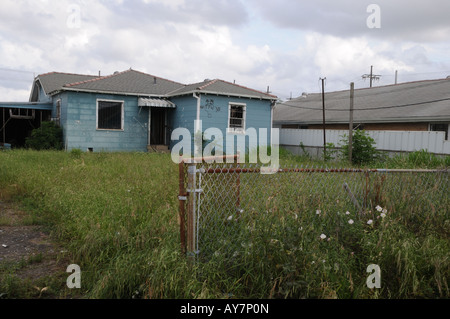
[391, 141]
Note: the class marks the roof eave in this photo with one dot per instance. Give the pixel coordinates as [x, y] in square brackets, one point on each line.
[36, 79]
[106, 92]
[271, 98]
[367, 121]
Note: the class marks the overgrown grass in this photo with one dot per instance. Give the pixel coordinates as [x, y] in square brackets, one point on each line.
[117, 215]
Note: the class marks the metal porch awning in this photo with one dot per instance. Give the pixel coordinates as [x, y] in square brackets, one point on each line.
[156, 103]
[27, 105]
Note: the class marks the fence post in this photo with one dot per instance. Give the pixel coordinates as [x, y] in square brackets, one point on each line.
[238, 184]
[366, 193]
[191, 169]
[350, 126]
[182, 198]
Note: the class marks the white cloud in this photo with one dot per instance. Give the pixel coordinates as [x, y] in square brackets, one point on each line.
[284, 44]
[14, 95]
[335, 56]
[174, 4]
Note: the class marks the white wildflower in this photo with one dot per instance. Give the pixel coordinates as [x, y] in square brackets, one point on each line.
[369, 222]
[318, 212]
[323, 236]
[230, 217]
[350, 221]
[384, 210]
[347, 213]
[378, 208]
[383, 215]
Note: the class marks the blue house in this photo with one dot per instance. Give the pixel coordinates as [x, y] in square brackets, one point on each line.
[135, 111]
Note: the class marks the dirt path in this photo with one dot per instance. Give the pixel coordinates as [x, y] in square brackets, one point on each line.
[27, 253]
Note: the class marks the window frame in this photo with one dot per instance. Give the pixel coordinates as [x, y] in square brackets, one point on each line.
[122, 115]
[57, 118]
[234, 130]
[432, 128]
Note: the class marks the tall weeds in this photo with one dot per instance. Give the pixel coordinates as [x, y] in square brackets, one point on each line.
[117, 216]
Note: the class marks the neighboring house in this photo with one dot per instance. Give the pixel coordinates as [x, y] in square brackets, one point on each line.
[413, 106]
[134, 111]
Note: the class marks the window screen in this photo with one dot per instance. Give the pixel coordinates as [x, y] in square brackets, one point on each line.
[109, 115]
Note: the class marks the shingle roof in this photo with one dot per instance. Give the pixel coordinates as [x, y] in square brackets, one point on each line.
[139, 83]
[127, 82]
[55, 80]
[218, 86]
[406, 102]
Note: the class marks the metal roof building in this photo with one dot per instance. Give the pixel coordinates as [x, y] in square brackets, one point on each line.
[412, 102]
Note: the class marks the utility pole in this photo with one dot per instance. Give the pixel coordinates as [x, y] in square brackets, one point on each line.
[323, 120]
[350, 126]
[371, 76]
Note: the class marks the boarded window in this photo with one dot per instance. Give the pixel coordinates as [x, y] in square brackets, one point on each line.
[109, 115]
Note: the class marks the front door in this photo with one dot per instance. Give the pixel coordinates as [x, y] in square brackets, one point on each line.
[158, 126]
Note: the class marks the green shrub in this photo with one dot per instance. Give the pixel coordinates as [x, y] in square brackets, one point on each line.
[47, 137]
[330, 152]
[363, 148]
[76, 153]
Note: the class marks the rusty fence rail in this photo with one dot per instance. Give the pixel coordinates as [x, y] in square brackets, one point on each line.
[221, 206]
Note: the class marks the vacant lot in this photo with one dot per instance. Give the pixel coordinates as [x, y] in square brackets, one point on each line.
[116, 216]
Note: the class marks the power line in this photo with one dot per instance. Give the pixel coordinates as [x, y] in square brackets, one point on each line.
[366, 109]
[371, 76]
[17, 71]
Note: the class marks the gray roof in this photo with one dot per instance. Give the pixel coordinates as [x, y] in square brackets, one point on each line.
[127, 82]
[222, 87]
[55, 80]
[131, 82]
[407, 102]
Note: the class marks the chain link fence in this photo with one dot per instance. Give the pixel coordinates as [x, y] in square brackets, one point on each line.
[225, 207]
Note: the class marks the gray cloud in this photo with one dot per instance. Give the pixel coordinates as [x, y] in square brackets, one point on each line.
[138, 14]
[400, 20]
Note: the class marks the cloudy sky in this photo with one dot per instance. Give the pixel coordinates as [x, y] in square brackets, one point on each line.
[286, 45]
